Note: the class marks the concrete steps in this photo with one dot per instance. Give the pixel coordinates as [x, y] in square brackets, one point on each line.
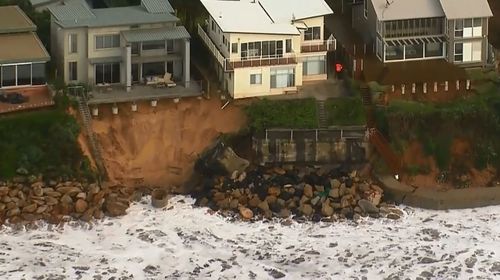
[322, 114]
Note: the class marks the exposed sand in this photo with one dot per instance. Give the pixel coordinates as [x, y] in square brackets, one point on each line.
[158, 146]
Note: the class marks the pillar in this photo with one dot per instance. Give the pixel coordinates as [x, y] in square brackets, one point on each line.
[435, 86]
[446, 86]
[187, 63]
[403, 89]
[128, 67]
[413, 88]
[424, 87]
[458, 84]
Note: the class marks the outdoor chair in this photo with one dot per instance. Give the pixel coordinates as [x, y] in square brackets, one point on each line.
[167, 80]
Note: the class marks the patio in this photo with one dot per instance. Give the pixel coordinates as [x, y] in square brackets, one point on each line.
[39, 97]
[143, 93]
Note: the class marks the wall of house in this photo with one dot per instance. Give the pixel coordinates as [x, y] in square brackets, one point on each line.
[452, 40]
[313, 22]
[80, 57]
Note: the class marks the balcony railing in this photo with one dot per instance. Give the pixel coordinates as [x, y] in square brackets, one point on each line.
[270, 60]
[211, 46]
[319, 46]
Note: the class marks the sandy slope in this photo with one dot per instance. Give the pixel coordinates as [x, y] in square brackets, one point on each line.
[158, 146]
[188, 243]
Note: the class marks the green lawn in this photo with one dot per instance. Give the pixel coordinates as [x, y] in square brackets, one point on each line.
[346, 111]
[42, 142]
[265, 114]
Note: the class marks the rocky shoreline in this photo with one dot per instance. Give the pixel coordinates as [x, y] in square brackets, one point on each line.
[310, 193]
[26, 199]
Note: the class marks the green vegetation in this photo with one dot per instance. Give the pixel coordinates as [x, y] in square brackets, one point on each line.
[435, 126]
[346, 111]
[42, 142]
[282, 114]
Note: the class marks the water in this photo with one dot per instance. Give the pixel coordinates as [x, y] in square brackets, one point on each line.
[190, 243]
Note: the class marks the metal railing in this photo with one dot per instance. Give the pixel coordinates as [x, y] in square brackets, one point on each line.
[211, 46]
[319, 46]
[240, 62]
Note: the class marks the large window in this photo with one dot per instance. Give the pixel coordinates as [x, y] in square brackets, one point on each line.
[234, 48]
[312, 33]
[107, 41]
[288, 45]
[468, 52]
[73, 71]
[394, 52]
[24, 74]
[264, 49]
[414, 51]
[108, 73]
[153, 45]
[282, 78]
[314, 65]
[38, 74]
[73, 43]
[412, 27]
[153, 69]
[433, 49]
[8, 75]
[468, 28]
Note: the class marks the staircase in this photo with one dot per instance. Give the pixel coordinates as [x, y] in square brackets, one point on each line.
[366, 96]
[94, 146]
[382, 146]
[322, 115]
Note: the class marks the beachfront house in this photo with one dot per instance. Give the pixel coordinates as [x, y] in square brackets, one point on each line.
[409, 30]
[119, 46]
[22, 54]
[266, 47]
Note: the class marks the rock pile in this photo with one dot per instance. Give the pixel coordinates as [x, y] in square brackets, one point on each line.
[27, 199]
[316, 194]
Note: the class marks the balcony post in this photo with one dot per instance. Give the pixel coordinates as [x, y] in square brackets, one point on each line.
[128, 67]
[187, 63]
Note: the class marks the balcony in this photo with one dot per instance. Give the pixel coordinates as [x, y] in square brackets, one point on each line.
[272, 60]
[319, 46]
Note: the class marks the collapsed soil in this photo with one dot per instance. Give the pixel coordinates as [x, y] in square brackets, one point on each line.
[158, 146]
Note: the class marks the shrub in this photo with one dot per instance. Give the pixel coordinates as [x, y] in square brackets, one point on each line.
[346, 111]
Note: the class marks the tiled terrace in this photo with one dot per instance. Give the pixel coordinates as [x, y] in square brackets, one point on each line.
[39, 97]
[143, 93]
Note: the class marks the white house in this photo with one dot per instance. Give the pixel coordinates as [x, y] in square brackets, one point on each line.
[267, 47]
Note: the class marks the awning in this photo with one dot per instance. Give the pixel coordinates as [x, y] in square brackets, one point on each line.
[22, 47]
[414, 41]
[109, 59]
[156, 34]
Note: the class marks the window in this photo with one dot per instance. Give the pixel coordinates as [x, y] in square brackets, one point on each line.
[234, 48]
[170, 67]
[459, 52]
[8, 75]
[433, 49]
[170, 46]
[24, 74]
[414, 51]
[73, 43]
[153, 69]
[288, 45]
[312, 33]
[72, 68]
[394, 52]
[255, 79]
[467, 28]
[314, 65]
[282, 78]
[365, 6]
[107, 73]
[153, 45]
[107, 41]
[38, 74]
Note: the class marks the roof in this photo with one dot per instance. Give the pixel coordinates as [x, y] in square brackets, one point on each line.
[36, 3]
[407, 9]
[245, 17]
[454, 9]
[21, 47]
[286, 10]
[156, 34]
[13, 19]
[77, 14]
[157, 6]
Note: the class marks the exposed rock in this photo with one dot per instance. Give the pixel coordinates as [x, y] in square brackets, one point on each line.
[81, 206]
[308, 191]
[115, 208]
[367, 206]
[13, 212]
[263, 206]
[334, 193]
[335, 183]
[246, 213]
[69, 190]
[66, 199]
[326, 209]
[41, 209]
[315, 200]
[274, 191]
[51, 200]
[306, 209]
[30, 208]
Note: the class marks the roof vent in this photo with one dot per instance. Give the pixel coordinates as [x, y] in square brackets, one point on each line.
[220, 15]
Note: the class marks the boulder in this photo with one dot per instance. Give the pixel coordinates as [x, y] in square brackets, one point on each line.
[37, 189]
[4, 191]
[334, 193]
[335, 183]
[306, 209]
[81, 195]
[30, 208]
[308, 191]
[319, 188]
[159, 198]
[66, 199]
[284, 213]
[231, 162]
[347, 212]
[41, 209]
[263, 206]
[49, 200]
[2, 206]
[69, 190]
[315, 200]
[326, 209]
[13, 212]
[367, 206]
[234, 204]
[115, 208]
[246, 213]
[274, 191]
[279, 170]
[81, 206]
[53, 193]
[254, 202]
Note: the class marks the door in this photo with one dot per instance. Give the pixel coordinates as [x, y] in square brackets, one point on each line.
[135, 73]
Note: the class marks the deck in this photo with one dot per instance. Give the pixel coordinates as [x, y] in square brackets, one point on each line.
[144, 93]
[39, 97]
